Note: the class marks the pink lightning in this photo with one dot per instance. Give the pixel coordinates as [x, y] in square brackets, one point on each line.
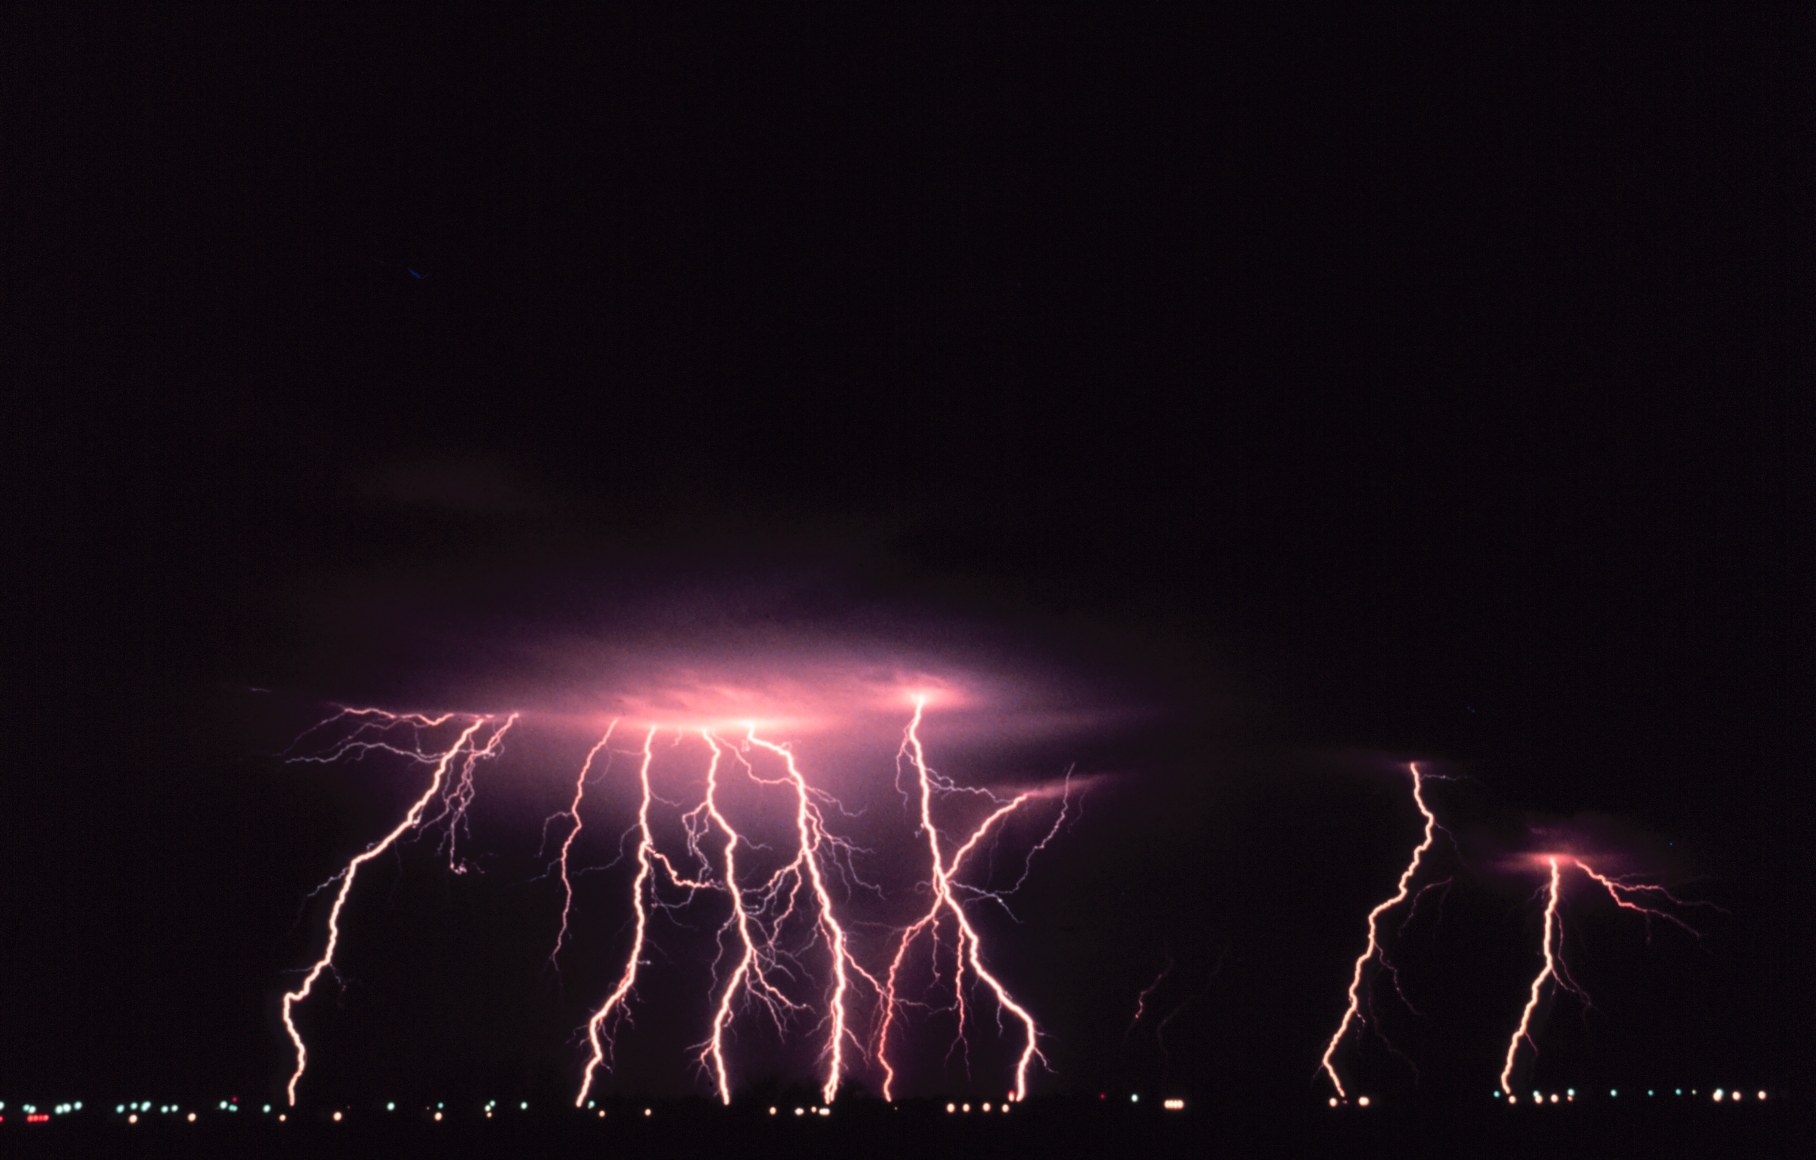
[748, 974]
[1373, 950]
[759, 952]
[1554, 968]
[1141, 1000]
[944, 900]
[645, 849]
[362, 741]
[810, 828]
[758, 965]
[1550, 969]
[567, 844]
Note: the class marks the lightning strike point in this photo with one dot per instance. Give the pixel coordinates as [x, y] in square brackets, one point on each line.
[1373, 949]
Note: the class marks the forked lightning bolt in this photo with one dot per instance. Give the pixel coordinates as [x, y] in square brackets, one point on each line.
[645, 851]
[374, 732]
[1551, 969]
[755, 953]
[811, 831]
[757, 918]
[762, 959]
[1551, 947]
[945, 901]
[1373, 949]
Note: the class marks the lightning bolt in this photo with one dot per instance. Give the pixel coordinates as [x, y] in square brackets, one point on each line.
[1141, 1000]
[760, 959]
[1373, 950]
[811, 830]
[945, 900]
[1620, 890]
[373, 734]
[1551, 946]
[1549, 949]
[645, 850]
[748, 976]
[567, 844]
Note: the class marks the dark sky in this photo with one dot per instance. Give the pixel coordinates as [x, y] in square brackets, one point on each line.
[1417, 383]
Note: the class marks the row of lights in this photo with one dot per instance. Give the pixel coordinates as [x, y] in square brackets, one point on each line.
[1361, 1101]
[1614, 1093]
[132, 1111]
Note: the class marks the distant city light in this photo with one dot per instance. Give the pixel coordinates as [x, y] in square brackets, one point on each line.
[1363, 1102]
[192, 1117]
[133, 1118]
[1173, 1105]
[337, 1117]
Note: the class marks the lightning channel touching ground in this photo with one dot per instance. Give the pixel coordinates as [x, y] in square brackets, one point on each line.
[946, 901]
[1548, 948]
[781, 932]
[1373, 950]
[811, 829]
[601, 1044]
[755, 953]
[373, 732]
[1621, 891]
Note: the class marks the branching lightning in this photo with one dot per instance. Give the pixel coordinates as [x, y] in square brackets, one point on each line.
[945, 900]
[1551, 946]
[1373, 949]
[374, 732]
[567, 844]
[645, 850]
[783, 931]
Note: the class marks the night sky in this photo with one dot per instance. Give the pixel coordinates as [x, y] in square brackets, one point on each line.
[1281, 398]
